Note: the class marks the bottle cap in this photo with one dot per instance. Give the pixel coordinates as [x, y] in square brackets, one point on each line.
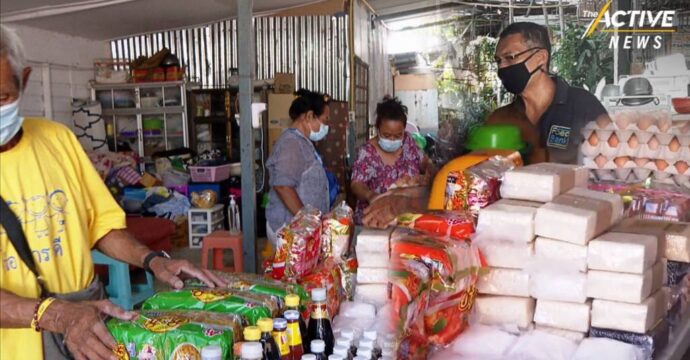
[308, 357]
[318, 294]
[252, 350]
[341, 350]
[318, 346]
[252, 333]
[279, 324]
[336, 357]
[348, 334]
[291, 315]
[343, 342]
[265, 324]
[366, 353]
[366, 343]
[388, 352]
[371, 335]
[292, 300]
[211, 351]
[361, 358]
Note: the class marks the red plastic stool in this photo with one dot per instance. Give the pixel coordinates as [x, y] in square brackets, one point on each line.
[218, 241]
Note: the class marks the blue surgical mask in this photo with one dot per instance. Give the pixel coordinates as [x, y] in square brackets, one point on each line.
[10, 121]
[389, 145]
[319, 135]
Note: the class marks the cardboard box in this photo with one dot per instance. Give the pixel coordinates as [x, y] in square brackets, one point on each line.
[278, 116]
[284, 83]
[273, 135]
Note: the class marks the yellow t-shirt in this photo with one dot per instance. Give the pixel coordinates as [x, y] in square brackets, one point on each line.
[65, 208]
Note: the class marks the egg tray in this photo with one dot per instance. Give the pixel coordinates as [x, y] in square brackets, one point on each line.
[636, 144]
[636, 175]
[655, 122]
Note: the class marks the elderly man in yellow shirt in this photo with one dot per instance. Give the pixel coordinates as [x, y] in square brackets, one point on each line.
[59, 203]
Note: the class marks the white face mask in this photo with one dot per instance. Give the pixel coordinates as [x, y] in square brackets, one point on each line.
[10, 121]
[318, 135]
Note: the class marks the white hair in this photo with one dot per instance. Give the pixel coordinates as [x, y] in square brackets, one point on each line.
[12, 48]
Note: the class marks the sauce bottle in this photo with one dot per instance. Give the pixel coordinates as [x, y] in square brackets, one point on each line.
[294, 335]
[271, 351]
[320, 322]
[252, 351]
[318, 348]
[292, 302]
[281, 338]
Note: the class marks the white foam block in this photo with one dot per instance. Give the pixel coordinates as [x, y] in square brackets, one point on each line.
[372, 240]
[678, 243]
[508, 220]
[504, 310]
[623, 252]
[570, 335]
[542, 182]
[630, 288]
[483, 341]
[564, 286]
[562, 251]
[504, 254]
[373, 259]
[375, 294]
[563, 315]
[602, 348]
[647, 227]
[578, 216]
[372, 275]
[540, 345]
[637, 318]
[510, 282]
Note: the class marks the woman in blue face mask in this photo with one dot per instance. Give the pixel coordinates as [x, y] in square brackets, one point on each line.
[296, 173]
[391, 158]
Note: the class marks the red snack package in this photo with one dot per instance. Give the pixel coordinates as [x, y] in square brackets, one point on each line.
[457, 224]
[299, 246]
[327, 276]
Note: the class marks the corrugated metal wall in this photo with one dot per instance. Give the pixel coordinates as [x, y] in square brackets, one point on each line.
[314, 48]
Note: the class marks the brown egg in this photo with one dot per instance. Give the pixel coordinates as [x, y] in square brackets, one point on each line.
[600, 161]
[664, 122]
[614, 141]
[593, 139]
[640, 162]
[620, 161]
[603, 122]
[623, 119]
[653, 143]
[682, 167]
[674, 145]
[645, 121]
[633, 142]
[661, 165]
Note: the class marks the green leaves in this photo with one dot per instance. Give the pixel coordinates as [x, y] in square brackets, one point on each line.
[582, 62]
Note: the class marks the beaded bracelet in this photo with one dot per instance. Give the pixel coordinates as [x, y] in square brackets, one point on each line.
[41, 308]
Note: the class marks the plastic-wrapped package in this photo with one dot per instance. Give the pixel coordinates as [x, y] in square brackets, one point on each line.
[504, 310]
[540, 345]
[456, 224]
[299, 245]
[678, 243]
[556, 281]
[651, 342]
[483, 341]
[348, 275]
[542, 182]
[508, 220]
[600, 348]
[504, 254]
[250, 306]
[373, 259]
[623, 252]
[570, 335]
[563, 315]
[327, 275]
[374, 240]
[631, 288]
[376, 294]
[358, 324]
[561, 251]
[372, 275]
[510, 282]
[337, 230]
[646, 227]
[578, 216]
[174, 334]
[356, 309]
[637, 318]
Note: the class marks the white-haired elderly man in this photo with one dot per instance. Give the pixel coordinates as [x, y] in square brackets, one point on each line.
[54, 202]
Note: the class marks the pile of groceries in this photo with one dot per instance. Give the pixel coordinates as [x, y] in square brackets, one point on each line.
[514, 262]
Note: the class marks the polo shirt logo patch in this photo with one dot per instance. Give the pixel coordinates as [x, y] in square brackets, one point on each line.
[559, 137]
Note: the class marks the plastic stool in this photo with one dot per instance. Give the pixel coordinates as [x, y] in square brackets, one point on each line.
[218, 241]
[120, 289]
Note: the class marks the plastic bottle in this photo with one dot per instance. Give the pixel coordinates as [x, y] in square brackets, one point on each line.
[294, 335]
[233, 216]
[365, 344]
[308, 357]
[320, 322]
[373, 336]
[346, 344]
[211, 352]
[252, 334]
[318, 348]
[349, 334]
[336, 357]
[252, 351]
[292, 302]
[343, 351]
[281, 339]
[271, 351]
[365, 353]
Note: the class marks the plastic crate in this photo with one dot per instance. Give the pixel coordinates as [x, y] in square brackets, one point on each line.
[210, 173]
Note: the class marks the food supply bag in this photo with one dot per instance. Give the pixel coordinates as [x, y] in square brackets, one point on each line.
[456, 224]
[337, 231]
[328, 276]
[299, 245]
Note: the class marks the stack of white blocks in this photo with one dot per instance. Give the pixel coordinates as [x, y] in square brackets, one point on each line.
[373, 257]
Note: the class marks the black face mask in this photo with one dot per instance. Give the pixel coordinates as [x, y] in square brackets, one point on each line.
[515, 77]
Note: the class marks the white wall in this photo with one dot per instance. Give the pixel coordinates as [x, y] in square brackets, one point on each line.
[62, 67]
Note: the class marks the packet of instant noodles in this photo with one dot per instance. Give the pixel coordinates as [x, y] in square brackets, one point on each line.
[456, 224]
[174, 334]
[337, 230]
[327, 276]
[348, 275]
[299, 245]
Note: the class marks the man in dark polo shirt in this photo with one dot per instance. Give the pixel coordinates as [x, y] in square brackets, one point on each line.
[549, 112]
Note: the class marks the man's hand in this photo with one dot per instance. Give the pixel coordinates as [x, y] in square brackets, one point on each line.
[384, 209]
[174, 271]
[86, 336]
